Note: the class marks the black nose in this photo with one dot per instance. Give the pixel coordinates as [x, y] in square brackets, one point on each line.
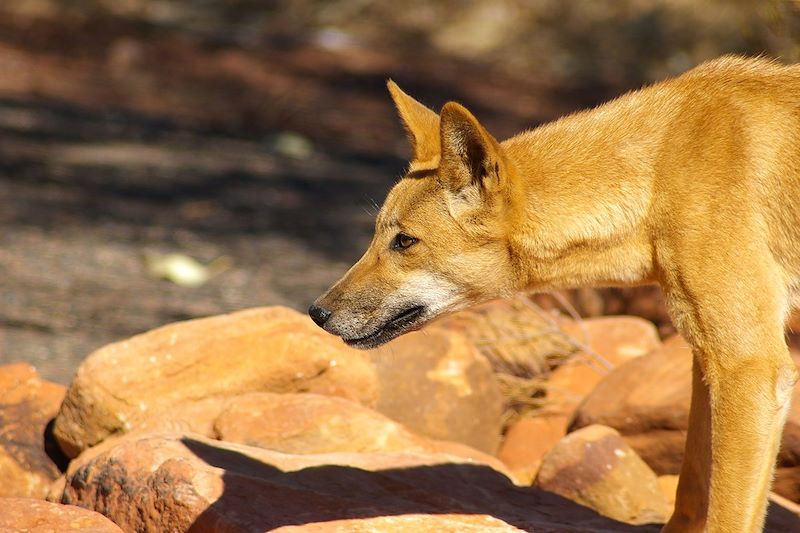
[318, 314]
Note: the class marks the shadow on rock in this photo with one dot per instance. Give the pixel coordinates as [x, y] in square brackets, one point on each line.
[260, 497]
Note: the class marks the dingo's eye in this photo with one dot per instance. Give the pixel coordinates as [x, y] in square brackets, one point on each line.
[402, 241]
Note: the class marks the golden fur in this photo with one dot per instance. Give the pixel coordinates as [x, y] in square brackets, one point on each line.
[693, 182]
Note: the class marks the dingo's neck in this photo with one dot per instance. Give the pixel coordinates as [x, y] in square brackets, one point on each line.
[583, 185]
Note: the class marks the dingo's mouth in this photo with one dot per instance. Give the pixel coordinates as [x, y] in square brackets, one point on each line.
[396, 326]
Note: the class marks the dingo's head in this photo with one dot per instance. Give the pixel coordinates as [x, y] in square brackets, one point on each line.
[440, 237]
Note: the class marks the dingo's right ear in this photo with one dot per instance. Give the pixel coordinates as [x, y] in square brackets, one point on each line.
[470, 155]
[422, 126]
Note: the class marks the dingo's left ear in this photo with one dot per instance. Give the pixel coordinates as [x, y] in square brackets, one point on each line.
[470, 155]
[421, 123]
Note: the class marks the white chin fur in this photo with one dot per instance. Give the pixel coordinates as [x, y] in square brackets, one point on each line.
[436, 293]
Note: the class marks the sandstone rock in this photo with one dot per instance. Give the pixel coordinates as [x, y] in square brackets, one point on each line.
[169, 482]
[28, 404]
[528, 440]
[189, 416]
[269, 349]
[310, 423]
[616, 339]
[595, 467]
[668, 484]
[37, 516]
[437, 384]
[468, 453]
[313, 423]
[647, 400]
[300, 423]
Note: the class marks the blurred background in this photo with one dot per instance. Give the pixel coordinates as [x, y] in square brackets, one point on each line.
[168, 159]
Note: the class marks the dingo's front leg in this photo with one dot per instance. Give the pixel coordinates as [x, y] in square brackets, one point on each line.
[750, 397]
[742, 408]
[743, 380]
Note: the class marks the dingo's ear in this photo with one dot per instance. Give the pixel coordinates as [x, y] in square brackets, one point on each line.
[470, 155]
[421, 124]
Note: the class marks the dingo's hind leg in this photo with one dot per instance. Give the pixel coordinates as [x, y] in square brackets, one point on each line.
[691, 503]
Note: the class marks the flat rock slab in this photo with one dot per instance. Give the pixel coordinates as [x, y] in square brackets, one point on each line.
[172, 482]
[36, 516]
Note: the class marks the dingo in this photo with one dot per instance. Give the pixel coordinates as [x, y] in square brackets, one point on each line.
[693, 183]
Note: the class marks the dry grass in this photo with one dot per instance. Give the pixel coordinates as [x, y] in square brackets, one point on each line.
[524, 344]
